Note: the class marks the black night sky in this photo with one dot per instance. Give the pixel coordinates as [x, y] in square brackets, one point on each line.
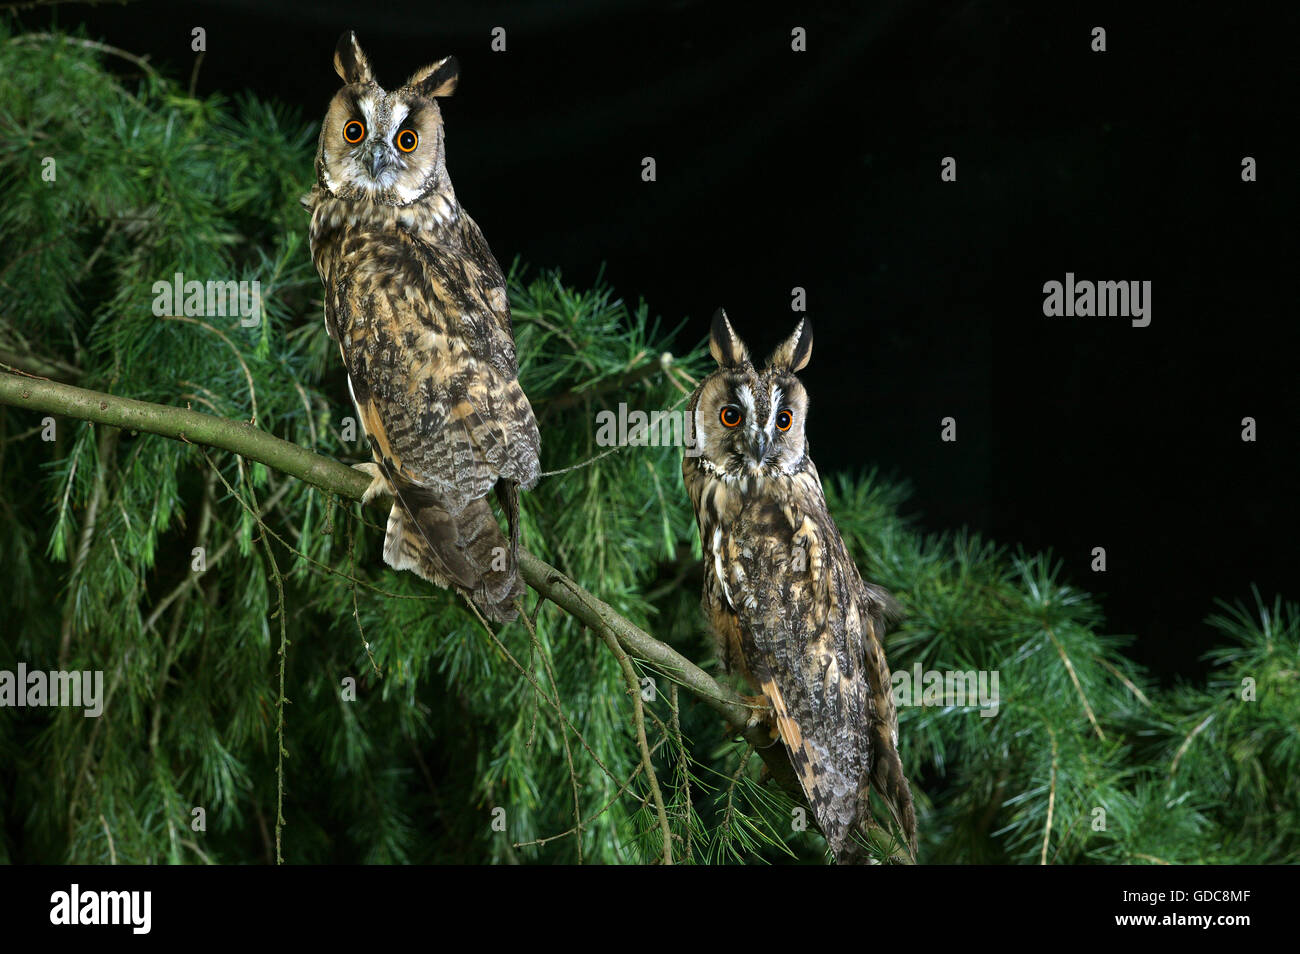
[821, 169]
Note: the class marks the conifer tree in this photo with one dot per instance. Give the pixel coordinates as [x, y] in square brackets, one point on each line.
[272, 691]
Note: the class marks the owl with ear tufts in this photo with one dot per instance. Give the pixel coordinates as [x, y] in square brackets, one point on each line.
[787, 607]
[418, 307]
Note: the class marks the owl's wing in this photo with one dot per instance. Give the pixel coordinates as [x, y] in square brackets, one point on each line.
[814, 648]
[434, 381]
[797, 616]
[432, 373]
[492, 280]
[858, 614]
[887, 765]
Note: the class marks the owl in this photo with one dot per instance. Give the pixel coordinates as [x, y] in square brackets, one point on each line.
[417, 305]
[786, 605]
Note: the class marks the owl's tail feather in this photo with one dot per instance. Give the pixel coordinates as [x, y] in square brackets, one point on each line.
[834, 813]
[508, 496]
[891, 784]
[465, 550]
[887, 776]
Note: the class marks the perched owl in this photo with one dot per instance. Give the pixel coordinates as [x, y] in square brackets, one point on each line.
[418, 307]
[784, 600]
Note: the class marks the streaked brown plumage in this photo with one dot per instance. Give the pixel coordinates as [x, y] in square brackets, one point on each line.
[418, 306]
[786, 604]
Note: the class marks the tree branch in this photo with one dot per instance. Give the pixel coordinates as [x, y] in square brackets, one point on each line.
[38, 394]
[619, 383]
[238, 437]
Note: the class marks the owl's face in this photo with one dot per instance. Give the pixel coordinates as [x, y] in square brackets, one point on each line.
[749, 423]
[383, 146]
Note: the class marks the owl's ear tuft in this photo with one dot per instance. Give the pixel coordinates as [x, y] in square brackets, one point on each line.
[350, 60]
[724, 344]
[792, 354]
[437, 79]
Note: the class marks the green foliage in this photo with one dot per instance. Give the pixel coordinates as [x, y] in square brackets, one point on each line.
[451, 721]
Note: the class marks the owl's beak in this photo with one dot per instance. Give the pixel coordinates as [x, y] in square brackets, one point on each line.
[758, 445]
[376, 159]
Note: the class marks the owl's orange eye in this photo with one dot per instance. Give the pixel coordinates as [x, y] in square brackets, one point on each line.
[784, 419]
[354, 132]
[731, 416]
[407, 140]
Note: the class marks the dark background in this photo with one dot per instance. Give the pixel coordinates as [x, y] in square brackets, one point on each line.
[821, 169]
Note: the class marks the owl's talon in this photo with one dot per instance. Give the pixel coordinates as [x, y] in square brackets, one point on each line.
[760, 712]
[378, 484]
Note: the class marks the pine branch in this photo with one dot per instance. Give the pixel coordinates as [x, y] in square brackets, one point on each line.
[618, 384]
[183, 424]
